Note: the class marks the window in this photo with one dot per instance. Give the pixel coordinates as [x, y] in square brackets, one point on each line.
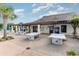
[35, 28]
[56, 29]
[51, 29]
[42, 28]
[63, 28]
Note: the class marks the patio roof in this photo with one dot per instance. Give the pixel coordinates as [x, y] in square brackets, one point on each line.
[54, 19]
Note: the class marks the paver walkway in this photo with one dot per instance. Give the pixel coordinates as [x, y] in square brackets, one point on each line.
[38, 47]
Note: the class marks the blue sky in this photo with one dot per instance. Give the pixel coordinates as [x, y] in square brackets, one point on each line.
[28, 12]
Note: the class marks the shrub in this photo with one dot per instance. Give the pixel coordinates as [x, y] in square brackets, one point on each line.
[71, 53]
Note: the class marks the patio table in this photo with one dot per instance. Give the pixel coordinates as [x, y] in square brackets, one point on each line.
[57, 38]
[32, 36]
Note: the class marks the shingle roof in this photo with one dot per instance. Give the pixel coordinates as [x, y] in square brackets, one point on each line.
[65, 17]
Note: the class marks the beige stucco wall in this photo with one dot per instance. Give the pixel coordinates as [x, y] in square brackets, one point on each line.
[78, 30]
[31, 28]
[45, 28]
[69, 28]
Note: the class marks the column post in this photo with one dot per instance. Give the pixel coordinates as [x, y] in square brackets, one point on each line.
[39, 29]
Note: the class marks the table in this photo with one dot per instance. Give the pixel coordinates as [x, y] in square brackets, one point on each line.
[57, 38]
[32, 36]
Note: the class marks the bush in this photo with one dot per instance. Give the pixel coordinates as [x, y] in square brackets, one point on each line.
[72, 53]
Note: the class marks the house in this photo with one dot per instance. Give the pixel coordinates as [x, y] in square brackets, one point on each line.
[19, 27]
[15, 27]
[58, 23]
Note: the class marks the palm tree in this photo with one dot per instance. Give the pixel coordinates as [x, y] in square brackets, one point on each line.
[6, 12]
[75, 24]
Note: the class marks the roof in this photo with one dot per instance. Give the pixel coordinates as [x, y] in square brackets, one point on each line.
[57, 18]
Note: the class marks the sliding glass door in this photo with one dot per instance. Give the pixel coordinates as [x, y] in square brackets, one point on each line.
[56, 30]
[51, 29]
[35, 29]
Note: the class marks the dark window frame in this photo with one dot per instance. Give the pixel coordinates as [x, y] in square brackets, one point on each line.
[64, 30]
[35, 28]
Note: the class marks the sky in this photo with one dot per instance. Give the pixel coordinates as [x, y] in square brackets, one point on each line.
[29, 12]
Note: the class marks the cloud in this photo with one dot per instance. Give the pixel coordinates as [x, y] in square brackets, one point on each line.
[60, 8]
[38, 9]
[35, 10]
[34, 4]
[52, 12]
[48, 6]
[56, 12]
[19, 11]
[42, 6]
[49, 13]
[49, 9]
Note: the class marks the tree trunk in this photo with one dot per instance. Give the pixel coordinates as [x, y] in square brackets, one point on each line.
[74, 32]
[5, 26]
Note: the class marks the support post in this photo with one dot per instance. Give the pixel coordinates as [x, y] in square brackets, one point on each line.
[39, 29]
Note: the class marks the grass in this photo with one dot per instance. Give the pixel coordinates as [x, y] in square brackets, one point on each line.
[7, 38]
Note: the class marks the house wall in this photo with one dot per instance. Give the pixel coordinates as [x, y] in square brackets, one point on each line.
[31, 28]
[45, 28]
[69, 28]
[78, 30]
[58, 25]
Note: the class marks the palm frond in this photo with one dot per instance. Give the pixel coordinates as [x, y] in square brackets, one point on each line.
[13, 16]
[6, 10]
